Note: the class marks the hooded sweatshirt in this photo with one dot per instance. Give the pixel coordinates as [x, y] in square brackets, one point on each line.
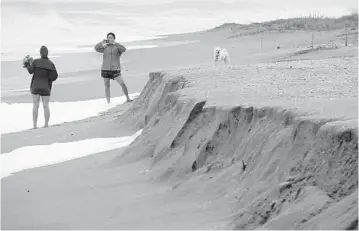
[44, 73]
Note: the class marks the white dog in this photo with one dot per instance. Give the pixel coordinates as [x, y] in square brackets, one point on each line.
[220, 56]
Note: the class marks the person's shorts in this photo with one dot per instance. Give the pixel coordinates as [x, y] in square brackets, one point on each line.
[110, 74]
[40, 91]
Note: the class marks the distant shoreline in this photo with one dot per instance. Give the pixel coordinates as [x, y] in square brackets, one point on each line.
[137, 45]
[312, 22]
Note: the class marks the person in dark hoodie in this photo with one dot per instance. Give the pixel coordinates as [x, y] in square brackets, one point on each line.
[111, 67]
[44, 73]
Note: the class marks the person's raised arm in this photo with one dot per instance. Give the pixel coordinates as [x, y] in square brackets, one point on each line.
[99, 47]
[120, 48]
[30, 67]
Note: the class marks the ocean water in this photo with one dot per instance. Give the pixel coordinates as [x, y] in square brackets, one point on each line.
[41, 155]
[17, 117]
[66, 26]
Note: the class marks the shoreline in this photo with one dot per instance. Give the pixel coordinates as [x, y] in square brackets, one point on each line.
[76, 66]
[155, 42]
[101, 126]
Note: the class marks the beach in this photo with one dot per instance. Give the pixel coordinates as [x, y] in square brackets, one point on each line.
[290, 116]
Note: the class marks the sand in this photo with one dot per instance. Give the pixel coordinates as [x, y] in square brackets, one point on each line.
[293, 124]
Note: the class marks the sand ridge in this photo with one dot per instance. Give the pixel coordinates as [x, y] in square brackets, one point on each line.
[293, 124]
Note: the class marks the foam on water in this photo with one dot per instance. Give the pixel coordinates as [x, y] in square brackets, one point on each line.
[41, 155]
[59, 51]
[17, 117]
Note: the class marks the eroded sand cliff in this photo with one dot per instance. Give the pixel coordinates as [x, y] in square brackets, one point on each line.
[280, 139]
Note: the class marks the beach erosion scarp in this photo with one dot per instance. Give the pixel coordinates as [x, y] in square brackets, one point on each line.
[278, 141]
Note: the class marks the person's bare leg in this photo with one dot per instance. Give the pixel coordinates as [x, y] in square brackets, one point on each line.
[35, 109]
[119, 80]
[107, 89]
[45, 104]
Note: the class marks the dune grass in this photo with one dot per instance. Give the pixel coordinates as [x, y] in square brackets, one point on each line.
[315, 22]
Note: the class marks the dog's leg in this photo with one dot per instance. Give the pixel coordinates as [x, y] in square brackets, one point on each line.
[226, 60]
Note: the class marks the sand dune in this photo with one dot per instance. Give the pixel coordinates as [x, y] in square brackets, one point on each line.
[296, 136]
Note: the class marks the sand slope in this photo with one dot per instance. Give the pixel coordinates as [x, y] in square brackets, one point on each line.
[292, 124]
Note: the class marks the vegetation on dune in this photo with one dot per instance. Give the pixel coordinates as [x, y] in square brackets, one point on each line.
[312, 22]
